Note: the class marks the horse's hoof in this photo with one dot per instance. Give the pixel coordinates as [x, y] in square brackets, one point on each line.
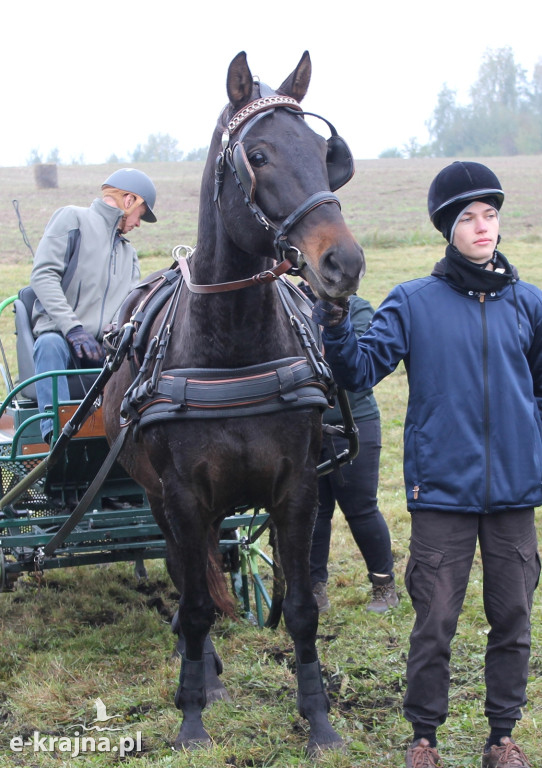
[217, 694]
[190, 746]
[330, 742]
[314, 751]
[192, 737]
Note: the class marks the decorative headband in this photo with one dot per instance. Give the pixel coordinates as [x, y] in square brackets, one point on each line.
[259, 105]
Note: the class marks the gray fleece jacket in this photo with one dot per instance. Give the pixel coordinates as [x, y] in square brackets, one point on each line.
[83, 270]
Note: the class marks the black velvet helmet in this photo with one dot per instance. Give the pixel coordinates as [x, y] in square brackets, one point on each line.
[455, 186]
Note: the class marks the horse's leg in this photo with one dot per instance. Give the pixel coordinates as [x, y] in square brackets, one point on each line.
[214, 688]
[188, 546]
[301, 619]
[196, 614]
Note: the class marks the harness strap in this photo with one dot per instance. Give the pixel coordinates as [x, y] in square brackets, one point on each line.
[319, 198]
[211, 393]
[298, 308]
[168, 278]
[156, 350]
[146, 315]
[262, 278]
[84, 503]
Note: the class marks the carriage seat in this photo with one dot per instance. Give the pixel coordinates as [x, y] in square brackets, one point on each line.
[22, 308]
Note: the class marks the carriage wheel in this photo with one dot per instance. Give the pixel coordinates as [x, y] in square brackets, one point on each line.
[259, 581]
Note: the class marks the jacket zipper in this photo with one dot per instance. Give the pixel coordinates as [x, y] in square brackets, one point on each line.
[486, 398]
[112, 267]
[416, 488]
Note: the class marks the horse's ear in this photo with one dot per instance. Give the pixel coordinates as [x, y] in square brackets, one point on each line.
[239, 81]
[297, 84]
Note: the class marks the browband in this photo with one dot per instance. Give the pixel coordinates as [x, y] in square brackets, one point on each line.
[258, 105]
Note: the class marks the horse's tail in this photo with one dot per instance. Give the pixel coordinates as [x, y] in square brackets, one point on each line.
[216, 578]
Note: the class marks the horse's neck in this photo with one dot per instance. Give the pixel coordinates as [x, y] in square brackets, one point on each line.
[225, 266]
[238, 327]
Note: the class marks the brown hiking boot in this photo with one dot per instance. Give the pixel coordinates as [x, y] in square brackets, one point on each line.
[319, 590]
[421, 755]
[507, 755]
[385, 595]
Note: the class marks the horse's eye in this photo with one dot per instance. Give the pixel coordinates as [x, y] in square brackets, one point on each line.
[257, 159]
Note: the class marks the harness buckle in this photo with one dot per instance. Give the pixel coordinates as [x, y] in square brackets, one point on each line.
[265, 277]
[261, 218]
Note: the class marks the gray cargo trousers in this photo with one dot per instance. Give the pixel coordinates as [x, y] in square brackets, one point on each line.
[442, 549]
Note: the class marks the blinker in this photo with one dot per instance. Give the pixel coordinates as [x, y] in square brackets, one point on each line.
[339, 160]
[240, 160]
[244, 170]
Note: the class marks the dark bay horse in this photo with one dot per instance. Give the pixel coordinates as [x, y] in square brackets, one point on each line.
[266, 206]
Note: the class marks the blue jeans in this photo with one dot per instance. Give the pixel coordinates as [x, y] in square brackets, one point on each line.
[51, 353]
[354, 488]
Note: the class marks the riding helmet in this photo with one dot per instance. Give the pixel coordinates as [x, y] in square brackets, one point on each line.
[137, 182]
[455, 186]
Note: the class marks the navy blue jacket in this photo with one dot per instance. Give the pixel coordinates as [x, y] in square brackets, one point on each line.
[473, 430]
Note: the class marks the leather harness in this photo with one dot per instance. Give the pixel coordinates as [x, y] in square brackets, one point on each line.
[157, 395]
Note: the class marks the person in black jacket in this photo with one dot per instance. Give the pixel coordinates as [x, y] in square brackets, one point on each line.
[470, 336]
[353, 487]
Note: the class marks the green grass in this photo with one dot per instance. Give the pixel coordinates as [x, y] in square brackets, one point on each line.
[95, 632]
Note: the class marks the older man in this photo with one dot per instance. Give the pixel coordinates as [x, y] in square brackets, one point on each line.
[83, 270]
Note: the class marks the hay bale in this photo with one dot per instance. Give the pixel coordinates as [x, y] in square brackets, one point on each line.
[46, 175]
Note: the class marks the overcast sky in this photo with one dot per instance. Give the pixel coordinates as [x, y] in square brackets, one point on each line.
[96, 78]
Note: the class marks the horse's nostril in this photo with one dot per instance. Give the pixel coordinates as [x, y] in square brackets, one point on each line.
[342, 268]
[330, 265]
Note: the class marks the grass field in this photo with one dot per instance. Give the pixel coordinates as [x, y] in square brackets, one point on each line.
[95, 632]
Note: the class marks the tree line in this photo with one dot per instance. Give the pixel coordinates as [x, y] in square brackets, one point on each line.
[503, 117]
[159, 148]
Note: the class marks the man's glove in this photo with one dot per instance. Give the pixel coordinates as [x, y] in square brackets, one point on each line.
[84, 344]
[330, 314]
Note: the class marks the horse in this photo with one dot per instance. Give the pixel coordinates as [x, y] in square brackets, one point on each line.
[267, 206]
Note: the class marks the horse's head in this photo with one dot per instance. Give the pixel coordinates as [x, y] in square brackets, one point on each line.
[274, 181]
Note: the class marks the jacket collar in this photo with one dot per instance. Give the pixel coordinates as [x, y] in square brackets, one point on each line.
[111, 214]
[467, 276]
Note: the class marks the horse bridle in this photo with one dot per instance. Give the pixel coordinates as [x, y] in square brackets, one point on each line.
[339, 160]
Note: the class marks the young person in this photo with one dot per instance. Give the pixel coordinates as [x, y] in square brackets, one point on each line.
[470, 336]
